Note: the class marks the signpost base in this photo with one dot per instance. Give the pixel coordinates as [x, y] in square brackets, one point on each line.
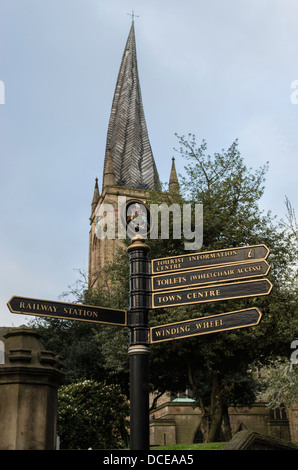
[139, 344]
[139, 397]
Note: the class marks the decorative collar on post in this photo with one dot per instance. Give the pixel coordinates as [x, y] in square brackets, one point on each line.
[138, 242]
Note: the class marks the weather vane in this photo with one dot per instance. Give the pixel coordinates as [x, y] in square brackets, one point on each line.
[132, 14]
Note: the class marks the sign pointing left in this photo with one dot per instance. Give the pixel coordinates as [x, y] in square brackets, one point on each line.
[67, 311]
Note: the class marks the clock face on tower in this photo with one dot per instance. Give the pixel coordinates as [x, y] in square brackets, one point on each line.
[137, 218]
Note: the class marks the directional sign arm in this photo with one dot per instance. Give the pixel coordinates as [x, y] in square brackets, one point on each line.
[211, 293]
[209, 258]
[67, 311]
[206, 325]
[200, 276]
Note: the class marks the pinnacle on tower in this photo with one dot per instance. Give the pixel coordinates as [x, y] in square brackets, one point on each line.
[95, 196]
[173, 183]
[109, 174]
[127, 137]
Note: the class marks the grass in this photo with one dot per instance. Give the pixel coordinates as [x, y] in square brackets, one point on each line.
[206, 446]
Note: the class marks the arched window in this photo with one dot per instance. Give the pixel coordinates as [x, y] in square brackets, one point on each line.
[2, 353]
[278, 413]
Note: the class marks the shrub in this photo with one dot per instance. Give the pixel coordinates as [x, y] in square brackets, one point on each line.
[92, 415]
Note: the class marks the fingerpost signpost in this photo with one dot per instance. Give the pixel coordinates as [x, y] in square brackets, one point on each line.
[166, 282]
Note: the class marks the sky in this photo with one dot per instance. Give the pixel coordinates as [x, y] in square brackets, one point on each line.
[222, 70]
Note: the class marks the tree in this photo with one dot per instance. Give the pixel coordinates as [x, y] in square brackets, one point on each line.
[230, 193]
[77, 346]
[281, 382]
[215, 366]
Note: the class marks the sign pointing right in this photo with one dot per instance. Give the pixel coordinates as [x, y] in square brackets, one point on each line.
[205, 325]
[193, 277]
[209, 258]
[211, 293]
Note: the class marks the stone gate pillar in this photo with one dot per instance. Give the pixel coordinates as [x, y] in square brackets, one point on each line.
[29, 380]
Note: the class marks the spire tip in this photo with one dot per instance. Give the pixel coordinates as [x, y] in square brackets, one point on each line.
[132, 14]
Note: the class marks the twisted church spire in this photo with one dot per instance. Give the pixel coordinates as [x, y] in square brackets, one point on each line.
[127, 139]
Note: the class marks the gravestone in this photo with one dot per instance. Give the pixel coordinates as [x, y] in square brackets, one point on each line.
[248, 440]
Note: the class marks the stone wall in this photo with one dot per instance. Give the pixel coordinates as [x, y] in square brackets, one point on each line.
[293, 421]
[177, 422]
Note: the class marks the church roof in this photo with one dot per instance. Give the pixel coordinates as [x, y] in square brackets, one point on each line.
[127, 138]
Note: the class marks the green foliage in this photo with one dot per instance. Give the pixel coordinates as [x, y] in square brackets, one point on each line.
[92, 415]
[76, 344]
[281, 382]
[215, 366]
[229, 192]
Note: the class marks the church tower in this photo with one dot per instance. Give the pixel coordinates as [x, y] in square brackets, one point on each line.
[129, 165]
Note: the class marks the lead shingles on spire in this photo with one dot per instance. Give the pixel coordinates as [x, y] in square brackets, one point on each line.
[127, 137]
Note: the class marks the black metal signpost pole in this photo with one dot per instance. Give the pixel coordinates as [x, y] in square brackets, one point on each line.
[139, 344]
